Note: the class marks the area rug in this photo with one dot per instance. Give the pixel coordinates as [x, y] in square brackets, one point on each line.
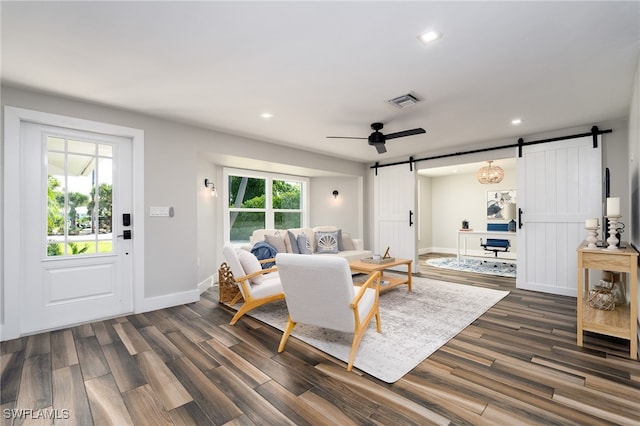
[414, 325]
[490, 267]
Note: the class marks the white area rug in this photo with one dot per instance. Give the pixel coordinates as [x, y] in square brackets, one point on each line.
[490, 267]
[414, 325]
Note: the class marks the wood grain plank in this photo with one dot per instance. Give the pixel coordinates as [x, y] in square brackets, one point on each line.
[38, 344]
[160, 344]
[91, 358]
[195, 353]
[14, 345]
[190, 414]
[105, 400]
[252, 404]
[105, 332]
[35, 383]
[134, 342]
[214, 402]
[70, 396]
[231, 360]
[63, 349]
[145, 408]
[123, 366]
[167, 387]
[10, 375]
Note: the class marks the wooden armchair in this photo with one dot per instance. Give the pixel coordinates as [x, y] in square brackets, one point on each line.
[319, 291]
[257, 286]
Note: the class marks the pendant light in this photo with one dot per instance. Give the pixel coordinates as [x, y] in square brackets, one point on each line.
[490, 174]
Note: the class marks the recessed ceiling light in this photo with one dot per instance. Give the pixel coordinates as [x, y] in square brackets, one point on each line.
[516, 121]
[266, 115]
[429, 36]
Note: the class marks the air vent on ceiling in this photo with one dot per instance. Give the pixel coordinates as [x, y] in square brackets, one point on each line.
[404, 101]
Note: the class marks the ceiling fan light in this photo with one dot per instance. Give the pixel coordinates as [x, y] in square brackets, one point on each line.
[490, 174]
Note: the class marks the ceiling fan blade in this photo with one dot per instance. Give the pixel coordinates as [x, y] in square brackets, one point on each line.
[343, 137]
[380, 148]
[405, 133]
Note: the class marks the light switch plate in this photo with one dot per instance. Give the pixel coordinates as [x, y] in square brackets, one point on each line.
[158, 211]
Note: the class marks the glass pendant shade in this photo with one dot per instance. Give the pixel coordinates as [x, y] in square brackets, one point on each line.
[490, 174]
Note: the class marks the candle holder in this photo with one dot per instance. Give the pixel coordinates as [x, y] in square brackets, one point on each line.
[592, 236]
[612, 240]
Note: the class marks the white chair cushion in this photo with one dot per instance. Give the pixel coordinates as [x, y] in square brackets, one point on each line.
[269, 286]
[250, 264]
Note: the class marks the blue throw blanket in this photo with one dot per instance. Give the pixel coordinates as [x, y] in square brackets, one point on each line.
[263, 250]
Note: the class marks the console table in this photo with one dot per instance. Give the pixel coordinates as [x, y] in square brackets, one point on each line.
[621, 322]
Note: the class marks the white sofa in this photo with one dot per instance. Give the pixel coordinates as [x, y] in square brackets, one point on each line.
[352, 248]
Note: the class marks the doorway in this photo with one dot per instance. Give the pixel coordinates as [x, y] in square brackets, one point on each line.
[72, 252]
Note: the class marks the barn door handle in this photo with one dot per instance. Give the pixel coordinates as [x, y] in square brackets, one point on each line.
[410, 218]
[519, 218]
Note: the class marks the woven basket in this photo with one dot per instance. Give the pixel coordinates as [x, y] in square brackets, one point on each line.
[227, 286]
[601, 298]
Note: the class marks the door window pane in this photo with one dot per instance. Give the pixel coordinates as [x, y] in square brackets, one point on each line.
[79, 182]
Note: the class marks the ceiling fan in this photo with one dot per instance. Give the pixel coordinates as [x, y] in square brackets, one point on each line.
[378, 139]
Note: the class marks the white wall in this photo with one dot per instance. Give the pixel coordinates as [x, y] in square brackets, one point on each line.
[345, 211]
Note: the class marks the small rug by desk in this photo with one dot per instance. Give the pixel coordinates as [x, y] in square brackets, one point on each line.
[414, 325]
[490, 267]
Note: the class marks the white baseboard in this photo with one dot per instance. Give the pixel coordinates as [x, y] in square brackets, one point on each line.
[168, 300]
[206, 284]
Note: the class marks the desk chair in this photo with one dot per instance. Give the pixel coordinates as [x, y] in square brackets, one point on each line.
[496, 244]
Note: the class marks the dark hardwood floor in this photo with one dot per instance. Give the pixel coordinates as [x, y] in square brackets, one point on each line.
[517, 364]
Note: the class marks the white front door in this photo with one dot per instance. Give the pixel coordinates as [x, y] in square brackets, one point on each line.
[559, 186]
[76, 259]
[395, 212]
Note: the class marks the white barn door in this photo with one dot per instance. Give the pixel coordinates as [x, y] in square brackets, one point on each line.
[559, 186]
[395, 212]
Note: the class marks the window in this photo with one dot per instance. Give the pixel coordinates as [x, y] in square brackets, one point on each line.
[262, 201]
[79, 197]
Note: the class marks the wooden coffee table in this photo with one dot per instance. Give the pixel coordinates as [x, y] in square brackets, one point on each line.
[370, 268]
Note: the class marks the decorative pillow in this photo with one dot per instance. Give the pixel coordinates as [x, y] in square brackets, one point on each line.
[250, 264]
[285, 239]
[327, 242]
[293, 242]
[277, 242]
[304, 244]
[340, 246]
[347, 242]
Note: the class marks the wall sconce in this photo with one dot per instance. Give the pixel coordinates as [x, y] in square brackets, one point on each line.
[208, 184]
[335, 193]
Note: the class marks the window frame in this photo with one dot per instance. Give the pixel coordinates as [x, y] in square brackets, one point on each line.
[269, 211]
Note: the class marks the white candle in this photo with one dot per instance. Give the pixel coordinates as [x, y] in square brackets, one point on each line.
[591, 223]
[613, 206]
